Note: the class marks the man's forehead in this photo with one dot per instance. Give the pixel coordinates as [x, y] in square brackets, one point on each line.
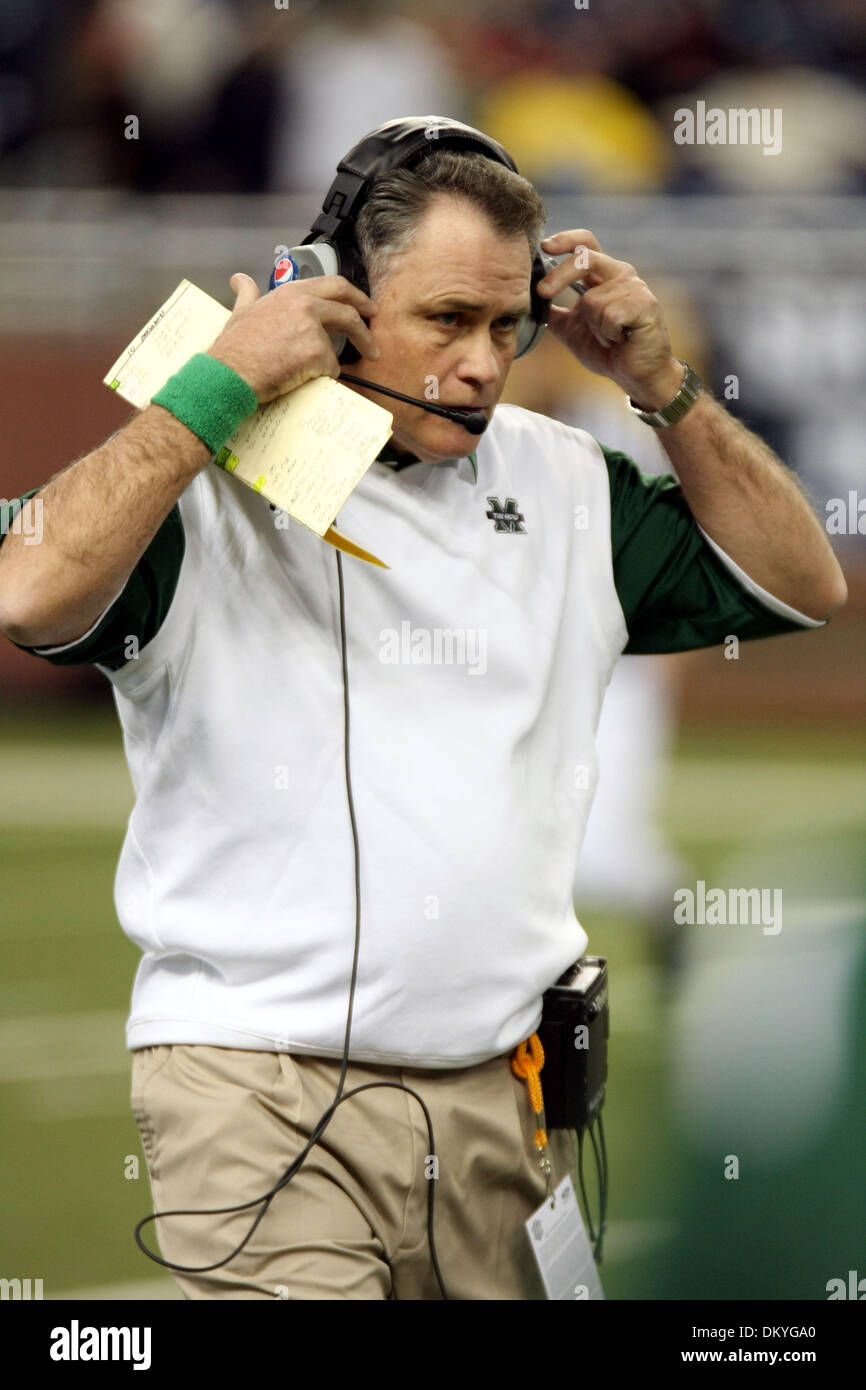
[457, 251]
[452, 228]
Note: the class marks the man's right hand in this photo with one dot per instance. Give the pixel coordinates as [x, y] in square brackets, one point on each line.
[279, 340]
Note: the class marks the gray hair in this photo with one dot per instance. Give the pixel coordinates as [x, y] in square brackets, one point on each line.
[388, 220]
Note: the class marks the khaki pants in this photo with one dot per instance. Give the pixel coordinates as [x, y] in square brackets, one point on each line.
[220, 1126]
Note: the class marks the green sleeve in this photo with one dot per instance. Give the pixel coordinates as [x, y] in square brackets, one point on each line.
[138, 611]
[675, 592]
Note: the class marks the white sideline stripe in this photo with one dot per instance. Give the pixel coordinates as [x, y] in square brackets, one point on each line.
[771, 798]
[65, 785]
[69, 785]
[623, 1240]
[95, 1097]
[47, 1046]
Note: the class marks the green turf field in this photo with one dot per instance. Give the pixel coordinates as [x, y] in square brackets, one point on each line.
[737, 804]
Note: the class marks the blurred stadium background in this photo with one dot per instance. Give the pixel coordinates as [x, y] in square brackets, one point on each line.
[743, 773]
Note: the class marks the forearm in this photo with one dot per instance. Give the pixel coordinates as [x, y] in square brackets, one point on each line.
[739, 493]
[753, 507]
[98, 517]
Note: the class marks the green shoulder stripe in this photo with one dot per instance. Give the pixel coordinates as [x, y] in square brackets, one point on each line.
[675, 592]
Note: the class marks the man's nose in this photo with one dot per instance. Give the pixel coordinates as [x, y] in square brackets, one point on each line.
[479, 361]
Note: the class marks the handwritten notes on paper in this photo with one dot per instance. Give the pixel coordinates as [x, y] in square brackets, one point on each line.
[305, 451]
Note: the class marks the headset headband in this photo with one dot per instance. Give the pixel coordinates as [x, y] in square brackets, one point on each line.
[395, 145]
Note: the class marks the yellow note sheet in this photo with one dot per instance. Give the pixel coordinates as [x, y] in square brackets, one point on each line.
[305, 451]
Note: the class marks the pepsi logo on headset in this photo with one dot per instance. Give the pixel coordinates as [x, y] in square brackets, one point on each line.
[284, 272]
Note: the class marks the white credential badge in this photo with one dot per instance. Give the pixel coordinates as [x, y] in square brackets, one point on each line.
[561, 1247]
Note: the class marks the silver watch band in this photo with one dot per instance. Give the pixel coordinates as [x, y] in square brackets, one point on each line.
[675, 409]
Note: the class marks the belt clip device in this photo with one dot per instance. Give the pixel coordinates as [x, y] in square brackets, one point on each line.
[573, 1032]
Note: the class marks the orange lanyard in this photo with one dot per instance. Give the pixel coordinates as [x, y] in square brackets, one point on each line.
[527, 1067]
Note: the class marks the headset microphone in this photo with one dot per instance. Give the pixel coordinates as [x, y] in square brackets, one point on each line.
[475, 421]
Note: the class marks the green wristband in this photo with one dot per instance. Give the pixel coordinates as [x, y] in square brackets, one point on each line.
[209, 398]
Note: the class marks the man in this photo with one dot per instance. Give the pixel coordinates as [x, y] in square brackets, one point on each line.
[220, 632]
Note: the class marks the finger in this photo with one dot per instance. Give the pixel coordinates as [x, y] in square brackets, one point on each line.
[574, 267]
[560, 242]
[636, 293]
[614, 310]
[578, 321]
[560, 277]
[337, 287]
[605, 267]
[334, 314]
[245, 288]
[587, 266]
[576, 335]
[559, 322]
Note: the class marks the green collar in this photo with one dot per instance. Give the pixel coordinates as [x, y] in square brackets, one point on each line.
[387, 455]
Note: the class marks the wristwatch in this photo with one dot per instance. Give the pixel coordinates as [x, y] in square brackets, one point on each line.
[675, 409]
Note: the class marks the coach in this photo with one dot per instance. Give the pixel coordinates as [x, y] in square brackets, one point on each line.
[219, 630]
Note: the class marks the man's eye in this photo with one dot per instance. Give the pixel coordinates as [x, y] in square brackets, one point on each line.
[506, 322]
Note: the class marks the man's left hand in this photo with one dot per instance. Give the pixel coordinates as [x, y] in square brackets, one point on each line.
[616, 328]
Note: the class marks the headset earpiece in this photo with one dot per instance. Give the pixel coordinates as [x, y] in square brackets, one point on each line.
[321, 258]
[532, 329]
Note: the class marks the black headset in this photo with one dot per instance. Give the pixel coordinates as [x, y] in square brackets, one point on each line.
[331, 247]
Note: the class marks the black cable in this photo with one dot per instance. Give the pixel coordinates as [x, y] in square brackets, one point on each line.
[602, 1173]
[324, 1119]
[582, 1184]
[601, 1192]
[604, 1184]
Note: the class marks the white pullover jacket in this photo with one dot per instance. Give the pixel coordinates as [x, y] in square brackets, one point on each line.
[477, 664]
